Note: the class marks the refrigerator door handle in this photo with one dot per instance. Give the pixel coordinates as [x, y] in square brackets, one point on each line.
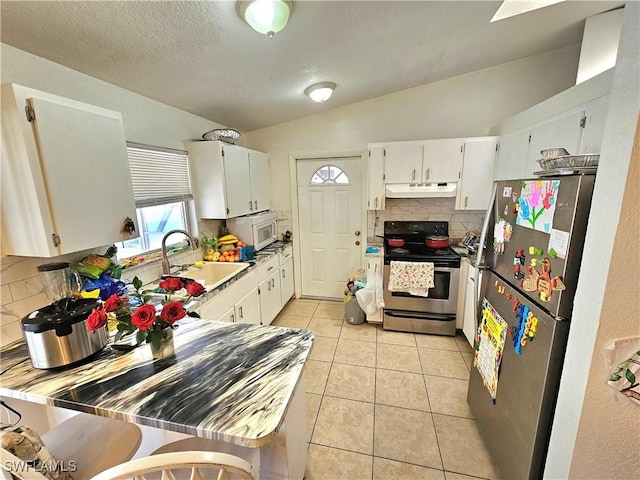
[485, 228]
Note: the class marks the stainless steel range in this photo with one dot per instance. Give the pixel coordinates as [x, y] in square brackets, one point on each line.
[435, 314]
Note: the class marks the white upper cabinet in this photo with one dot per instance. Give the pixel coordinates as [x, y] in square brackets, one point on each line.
[430, 161]
[66, 185]
[595, 116]
[259, 174]
[475, 186]
[402, 162]
[561, 131]
[229, 180]
[375, 197]
[442, 160]
[512, 155]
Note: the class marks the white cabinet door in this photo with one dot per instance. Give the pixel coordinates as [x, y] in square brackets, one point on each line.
[228, 316]
[375, 187]
[512, 155]
[595, 118]
[402, 162]
[247, 310]
[442, 160]
[374, 267]
[286, 282]
[69, 155]
[462, 290]
[270, 298]
[259, 172]
[469, 323]
[476, 181]
[237, 181]
[560, 132]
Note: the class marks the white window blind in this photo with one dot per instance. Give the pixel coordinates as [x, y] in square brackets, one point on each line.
[159, 175]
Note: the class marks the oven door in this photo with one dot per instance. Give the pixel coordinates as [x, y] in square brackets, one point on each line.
[442, 299]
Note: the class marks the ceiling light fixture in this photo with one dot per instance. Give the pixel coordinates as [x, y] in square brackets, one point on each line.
[265, 16]
[320, 92]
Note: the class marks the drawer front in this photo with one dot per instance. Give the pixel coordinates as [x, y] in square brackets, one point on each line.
[285, 255]
[268, 269]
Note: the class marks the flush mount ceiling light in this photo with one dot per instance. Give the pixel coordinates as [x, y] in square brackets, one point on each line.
[265, 16]
[320, 92]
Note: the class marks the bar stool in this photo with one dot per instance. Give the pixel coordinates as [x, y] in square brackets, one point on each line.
[92, 443]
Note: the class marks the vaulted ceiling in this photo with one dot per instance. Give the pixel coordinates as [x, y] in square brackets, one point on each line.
[199, 56]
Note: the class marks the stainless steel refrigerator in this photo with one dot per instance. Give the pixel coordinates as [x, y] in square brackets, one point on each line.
[533, 237]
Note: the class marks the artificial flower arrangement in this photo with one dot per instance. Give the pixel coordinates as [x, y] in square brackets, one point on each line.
[152, 328]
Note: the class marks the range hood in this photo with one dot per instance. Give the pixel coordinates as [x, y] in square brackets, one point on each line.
[428, 190]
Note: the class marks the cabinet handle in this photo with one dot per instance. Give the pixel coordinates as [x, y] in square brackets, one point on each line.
[270, 268]
[269, 286]
[283, 274]
[466, 201]
[413, 175]
[427, 173]
[241, 314]
[255, 203]
[250, 205]
[273, 282]
[376, 203]
[233, 318]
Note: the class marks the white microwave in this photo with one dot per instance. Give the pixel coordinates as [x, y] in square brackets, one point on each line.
[258, 230]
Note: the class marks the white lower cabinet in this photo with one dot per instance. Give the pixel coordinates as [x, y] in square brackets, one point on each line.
[236, 303]
[469, 320]
[462, 290]
[247, 310]
[374, 267]
[228, 316]
[270, 299]
[286, 282]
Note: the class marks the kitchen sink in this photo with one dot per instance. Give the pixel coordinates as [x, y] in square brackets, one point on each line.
[212, 275]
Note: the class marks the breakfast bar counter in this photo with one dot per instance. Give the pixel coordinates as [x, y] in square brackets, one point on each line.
[230, 382]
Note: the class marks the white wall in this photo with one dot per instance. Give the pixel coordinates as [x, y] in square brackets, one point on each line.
[604, 219]
[599, 47]
[467, 105]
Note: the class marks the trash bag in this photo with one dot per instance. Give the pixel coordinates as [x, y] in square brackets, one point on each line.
[370, 297]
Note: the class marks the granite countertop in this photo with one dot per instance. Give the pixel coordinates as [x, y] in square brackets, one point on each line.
[261, 257]
[227, 381]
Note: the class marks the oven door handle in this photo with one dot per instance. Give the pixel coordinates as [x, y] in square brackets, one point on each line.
[432, 316]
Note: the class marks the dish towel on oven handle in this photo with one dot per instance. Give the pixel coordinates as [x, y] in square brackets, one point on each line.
[415, 278]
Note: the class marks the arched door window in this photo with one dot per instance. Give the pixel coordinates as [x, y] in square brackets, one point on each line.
[329, 175]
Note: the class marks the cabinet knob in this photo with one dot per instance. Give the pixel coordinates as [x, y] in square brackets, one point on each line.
[357, 233]
[357, 242]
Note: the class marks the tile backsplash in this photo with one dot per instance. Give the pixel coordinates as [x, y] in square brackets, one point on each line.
[22, 291]
[434, 209]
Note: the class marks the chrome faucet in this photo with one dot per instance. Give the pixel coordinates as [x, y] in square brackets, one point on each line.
[193, 242]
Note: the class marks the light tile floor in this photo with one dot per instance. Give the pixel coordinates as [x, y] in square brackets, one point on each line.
[386, 405]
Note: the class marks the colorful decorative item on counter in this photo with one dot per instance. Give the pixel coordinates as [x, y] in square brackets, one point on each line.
[128, 313]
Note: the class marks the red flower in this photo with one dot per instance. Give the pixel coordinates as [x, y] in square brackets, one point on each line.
[96, 320]
[144, 316]
[112, 303]
[172, 312]
[171, 284]
[194, 289]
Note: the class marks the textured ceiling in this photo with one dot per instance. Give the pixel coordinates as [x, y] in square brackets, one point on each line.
[200, 57]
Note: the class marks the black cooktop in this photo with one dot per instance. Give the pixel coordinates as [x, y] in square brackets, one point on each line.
[414, 249]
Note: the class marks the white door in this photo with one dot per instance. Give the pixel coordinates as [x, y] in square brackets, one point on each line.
[330, 213]
[237, 181]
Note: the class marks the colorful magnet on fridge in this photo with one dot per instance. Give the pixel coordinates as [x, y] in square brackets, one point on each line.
[508, 296]
[553, 253]
[532, 250]
[506, 210]
[539, 251]
[514, 197]
[534, 262]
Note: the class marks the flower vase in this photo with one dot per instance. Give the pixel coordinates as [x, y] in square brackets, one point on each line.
[165, 349]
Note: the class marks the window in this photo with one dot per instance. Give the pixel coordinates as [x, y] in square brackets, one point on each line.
[162, 190]
[329, 175]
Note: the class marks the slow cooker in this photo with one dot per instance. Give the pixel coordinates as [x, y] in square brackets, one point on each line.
[57, 335]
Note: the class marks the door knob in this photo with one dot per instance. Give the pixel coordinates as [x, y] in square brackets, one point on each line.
[357, 233]
[357, 242]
